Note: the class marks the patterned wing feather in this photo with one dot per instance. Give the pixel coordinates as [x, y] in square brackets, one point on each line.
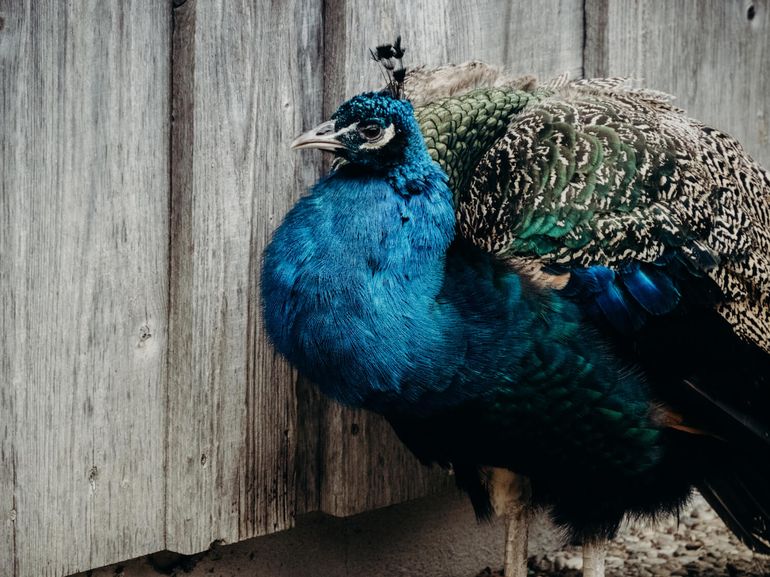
[459, 130]
[597, 173]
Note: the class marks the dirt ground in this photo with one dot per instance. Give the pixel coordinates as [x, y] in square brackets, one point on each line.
[696, 545]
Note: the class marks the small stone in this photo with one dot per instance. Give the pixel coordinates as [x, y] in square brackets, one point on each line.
[640, 546]
[630, 538]
[686, 559]
[613, 561]
[574, 563]
[689, 522]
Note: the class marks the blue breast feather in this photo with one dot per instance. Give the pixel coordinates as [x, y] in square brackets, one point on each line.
[349, 285]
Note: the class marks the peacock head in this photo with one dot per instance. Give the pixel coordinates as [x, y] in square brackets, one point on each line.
[374, 129]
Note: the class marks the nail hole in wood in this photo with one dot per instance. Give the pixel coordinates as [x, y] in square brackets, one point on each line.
[751, 12]
[354, 429]
[93, 475]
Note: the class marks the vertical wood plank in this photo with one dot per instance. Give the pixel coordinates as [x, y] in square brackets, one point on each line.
[84, 221]
[7, 390]
[311, 418]
[247, 76]
[596, 42]
[363, 463]
[714, 56]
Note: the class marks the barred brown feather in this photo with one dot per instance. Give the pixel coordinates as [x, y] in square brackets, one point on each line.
[599, 172]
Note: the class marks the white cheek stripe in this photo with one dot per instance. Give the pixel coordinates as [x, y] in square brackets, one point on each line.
[386, 137]
[341, 131]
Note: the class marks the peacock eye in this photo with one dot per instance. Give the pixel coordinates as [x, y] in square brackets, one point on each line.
[370, 131]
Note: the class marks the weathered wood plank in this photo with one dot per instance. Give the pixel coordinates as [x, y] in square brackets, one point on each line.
[364, 464]
[311, 411]
[714, 56]
[247, 78]
[596, 40]
[7, 391]
[84, 221]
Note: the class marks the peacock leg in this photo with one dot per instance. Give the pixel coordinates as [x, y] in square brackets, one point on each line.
[510, 497]
[593, 558]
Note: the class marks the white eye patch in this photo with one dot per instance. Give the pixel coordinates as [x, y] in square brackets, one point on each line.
[387, 136]
[348, 128]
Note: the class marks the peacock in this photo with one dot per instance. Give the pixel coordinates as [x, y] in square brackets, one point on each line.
[527, 279]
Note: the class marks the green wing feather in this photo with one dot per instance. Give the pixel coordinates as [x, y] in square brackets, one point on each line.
[458, 131]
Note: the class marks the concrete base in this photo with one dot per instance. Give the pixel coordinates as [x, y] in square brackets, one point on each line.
[433, 537]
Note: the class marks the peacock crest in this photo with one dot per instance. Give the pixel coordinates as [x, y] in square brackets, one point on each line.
[390, 58]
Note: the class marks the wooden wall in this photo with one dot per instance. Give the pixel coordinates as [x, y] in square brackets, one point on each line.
[144, 163]
[84, 199]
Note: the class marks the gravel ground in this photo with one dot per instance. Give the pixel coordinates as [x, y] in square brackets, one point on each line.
[698, 545]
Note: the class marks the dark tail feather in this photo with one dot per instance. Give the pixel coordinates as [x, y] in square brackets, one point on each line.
[473, 480]
[746, 423]
[739, 491]
[743, 503]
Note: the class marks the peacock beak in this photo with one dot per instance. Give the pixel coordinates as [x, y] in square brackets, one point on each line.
[322, 136]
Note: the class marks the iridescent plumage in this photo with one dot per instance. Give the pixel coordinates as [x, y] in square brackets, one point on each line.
[578, 282]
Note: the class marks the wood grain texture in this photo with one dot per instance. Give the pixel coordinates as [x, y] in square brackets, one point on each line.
[713, 55]
[246, 78]
[84, 232]
[364, 465]
[596, 40]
